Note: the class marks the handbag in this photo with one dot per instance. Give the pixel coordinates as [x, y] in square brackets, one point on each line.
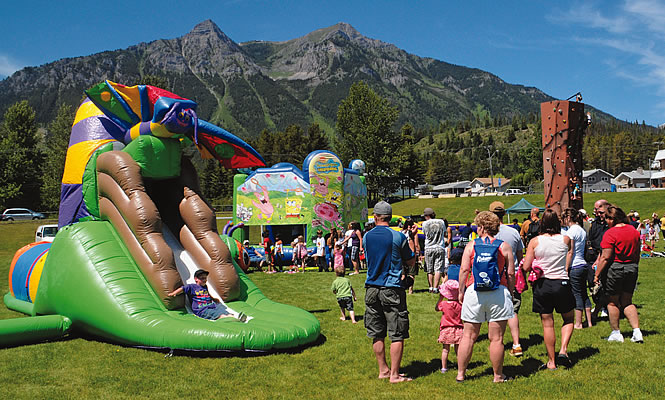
[520, 282]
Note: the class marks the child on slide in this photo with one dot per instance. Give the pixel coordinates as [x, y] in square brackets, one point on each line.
[203, 304]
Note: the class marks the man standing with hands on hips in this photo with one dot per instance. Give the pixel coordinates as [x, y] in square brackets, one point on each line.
[386, 250]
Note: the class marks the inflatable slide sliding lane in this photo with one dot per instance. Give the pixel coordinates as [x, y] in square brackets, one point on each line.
[134, 227]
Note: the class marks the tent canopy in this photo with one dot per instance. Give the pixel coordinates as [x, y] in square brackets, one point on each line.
[522, 207]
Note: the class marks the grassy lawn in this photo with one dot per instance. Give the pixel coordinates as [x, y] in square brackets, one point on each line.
[342, 364]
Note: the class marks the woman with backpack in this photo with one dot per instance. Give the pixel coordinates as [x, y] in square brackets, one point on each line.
[486, 279]
[550, 256]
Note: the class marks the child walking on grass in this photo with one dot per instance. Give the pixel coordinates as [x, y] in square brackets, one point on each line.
[338, 260]
[451, 326]
[299, 254]
[345, 294]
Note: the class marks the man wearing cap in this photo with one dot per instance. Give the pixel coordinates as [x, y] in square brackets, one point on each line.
[511, 237]
[386, 250]
[533, 217]
[435, 253]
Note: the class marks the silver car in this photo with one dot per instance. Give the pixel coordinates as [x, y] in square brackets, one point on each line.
[12, 214]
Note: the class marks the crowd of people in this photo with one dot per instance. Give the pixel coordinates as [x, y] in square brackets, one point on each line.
[567, 259]
[563, 257]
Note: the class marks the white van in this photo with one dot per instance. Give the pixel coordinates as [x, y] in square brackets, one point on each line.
[46, 233]
[514, 191]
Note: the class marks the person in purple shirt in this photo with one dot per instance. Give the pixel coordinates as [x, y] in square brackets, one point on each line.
[203, 304]
[386, 250]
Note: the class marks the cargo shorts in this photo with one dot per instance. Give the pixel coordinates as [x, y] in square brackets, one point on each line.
[386, 313]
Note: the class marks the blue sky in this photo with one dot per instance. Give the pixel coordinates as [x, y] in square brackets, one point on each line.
[611, 51]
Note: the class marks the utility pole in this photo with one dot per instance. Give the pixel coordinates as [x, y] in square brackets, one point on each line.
[490, 155]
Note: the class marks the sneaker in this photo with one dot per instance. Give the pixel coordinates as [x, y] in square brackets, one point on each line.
[443, 370]
[603, 314]
[615, 337]
[637, 337]
[516, 351]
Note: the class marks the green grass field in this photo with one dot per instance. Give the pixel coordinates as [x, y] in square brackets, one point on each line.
[342, 364]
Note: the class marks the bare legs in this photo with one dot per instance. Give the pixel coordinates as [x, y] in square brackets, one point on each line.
[396, 351]
[550, 336]
[352, 314]
[514, 325]
[496, 331]
[444, 356]
[624, 300]
[578, 318]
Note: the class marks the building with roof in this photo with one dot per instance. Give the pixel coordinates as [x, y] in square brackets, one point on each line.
[596, 180]
[639, 178]
[479, 185]
[660, 159]
[456, 188]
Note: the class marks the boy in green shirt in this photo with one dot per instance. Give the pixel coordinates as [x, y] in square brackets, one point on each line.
[345, 294]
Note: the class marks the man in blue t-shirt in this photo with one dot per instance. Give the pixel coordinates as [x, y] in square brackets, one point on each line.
[385, 298]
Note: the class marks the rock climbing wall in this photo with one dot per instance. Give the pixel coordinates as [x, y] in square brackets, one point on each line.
[563, 125]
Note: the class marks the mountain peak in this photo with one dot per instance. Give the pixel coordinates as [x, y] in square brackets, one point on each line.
[206, 27]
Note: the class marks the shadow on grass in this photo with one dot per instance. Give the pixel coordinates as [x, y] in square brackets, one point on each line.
[419, 369]
[530, 366]
[532, 340]
[322, 310]
[205, 353]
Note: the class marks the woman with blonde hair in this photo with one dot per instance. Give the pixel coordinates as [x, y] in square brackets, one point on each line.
[483, 298]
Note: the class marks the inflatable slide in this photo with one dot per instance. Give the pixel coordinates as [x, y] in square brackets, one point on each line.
[133, 227]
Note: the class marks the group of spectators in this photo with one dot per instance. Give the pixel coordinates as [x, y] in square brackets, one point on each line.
[561, 259]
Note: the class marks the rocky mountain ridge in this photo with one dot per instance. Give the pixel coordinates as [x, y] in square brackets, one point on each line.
[247, 87]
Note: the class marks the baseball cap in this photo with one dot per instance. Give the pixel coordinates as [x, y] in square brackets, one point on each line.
[383, 208]
[245, 243]
[428, 211]
[582, 211]
[497, 206]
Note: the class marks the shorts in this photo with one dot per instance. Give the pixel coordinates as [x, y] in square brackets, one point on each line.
[213, 312]
[552, 294]
[621, 278]
[385, 312]
[517, 301]
[412, 271]
[490, 306]
[355, 253]
[435, 260]
[345, 303]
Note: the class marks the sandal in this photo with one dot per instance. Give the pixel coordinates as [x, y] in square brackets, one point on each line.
[563, 359]
[544, 367]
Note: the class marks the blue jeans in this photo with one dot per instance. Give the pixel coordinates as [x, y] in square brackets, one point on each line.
[578, 282]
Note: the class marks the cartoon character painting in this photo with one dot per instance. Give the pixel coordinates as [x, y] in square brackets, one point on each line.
[265, 207]
[328, 212]
[319, 186]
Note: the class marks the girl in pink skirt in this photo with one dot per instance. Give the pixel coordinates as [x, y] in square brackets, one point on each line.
[451, 326]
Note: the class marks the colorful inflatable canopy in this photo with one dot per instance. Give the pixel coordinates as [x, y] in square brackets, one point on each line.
[324, 195]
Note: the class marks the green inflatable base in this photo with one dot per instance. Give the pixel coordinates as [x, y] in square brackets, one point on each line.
[91, 278]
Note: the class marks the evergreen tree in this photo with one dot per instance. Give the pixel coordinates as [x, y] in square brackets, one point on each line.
[56, 143]
[20, 158]
[365, 130]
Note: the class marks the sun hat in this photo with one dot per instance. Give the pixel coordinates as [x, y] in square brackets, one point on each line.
[450, 289]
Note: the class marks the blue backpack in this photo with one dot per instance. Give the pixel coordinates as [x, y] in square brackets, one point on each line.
[485, 268]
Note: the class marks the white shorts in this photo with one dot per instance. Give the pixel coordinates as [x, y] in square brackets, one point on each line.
[492, 306]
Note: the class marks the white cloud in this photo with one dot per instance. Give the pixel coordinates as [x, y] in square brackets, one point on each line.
[8, 66]
[636, 33]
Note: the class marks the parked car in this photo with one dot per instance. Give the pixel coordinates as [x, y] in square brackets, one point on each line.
[515, 191]
[12, 214]
[46, 233]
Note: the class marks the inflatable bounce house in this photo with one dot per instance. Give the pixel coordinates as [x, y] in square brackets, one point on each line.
[133, 227]
[289, 202]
